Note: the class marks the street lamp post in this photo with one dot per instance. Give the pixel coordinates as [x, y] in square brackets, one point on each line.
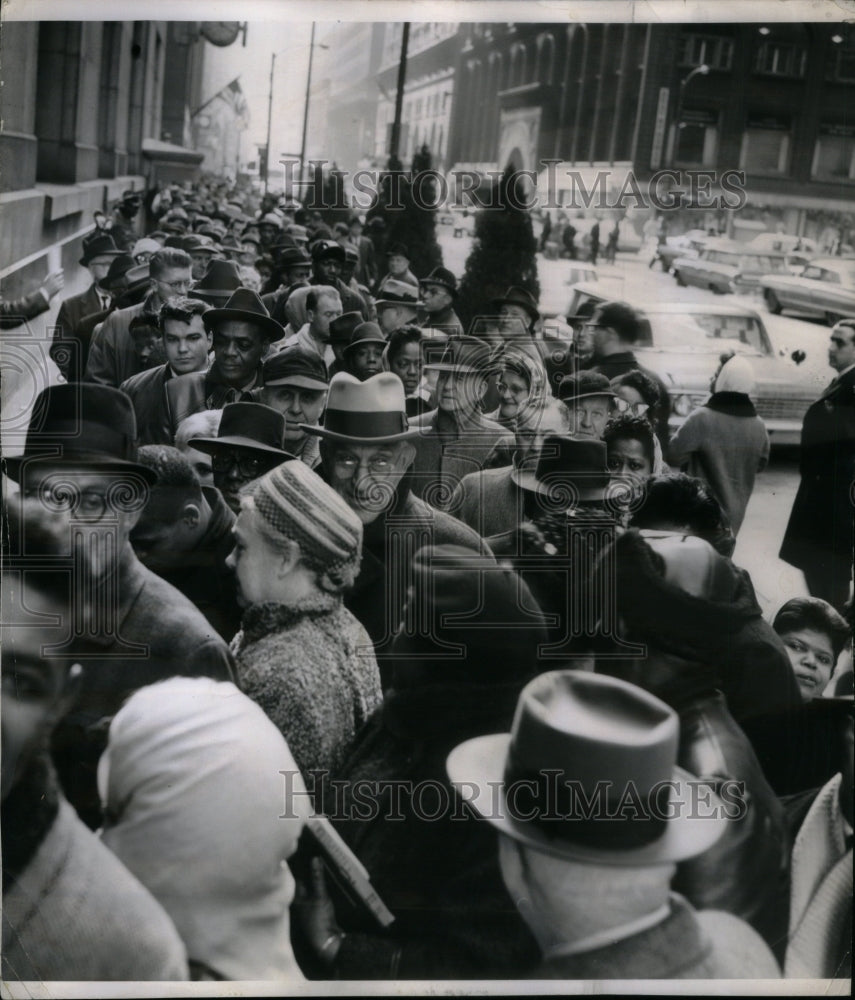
[701, 70]
[269, 112]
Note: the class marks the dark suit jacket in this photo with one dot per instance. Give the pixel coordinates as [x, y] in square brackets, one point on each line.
[490, 502]
[111, 353]
[146, 391]
[439, 466]
[821, 521]
[70, 347]
[14, 312]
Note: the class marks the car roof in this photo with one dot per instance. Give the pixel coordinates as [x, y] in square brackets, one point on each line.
[652, 306]
[846, 264]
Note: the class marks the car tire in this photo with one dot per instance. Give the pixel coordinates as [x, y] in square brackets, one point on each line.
[772, 303]
[715, 289]
[832, 318]
[679, 279]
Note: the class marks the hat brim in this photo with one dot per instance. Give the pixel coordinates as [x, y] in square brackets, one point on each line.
[379, 303]
[274, 330]
[214, 296]
[86, 261]
[319, 431]
[301, 381]
[527, 480]
[439, 284]
[12, 464]
[367, 340]
[445, 366]
[589, 395]
[476, 770]
[210, 445]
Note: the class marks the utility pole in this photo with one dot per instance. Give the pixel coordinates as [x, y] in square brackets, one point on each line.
[306, 103]
[399, 96]
[269, 112]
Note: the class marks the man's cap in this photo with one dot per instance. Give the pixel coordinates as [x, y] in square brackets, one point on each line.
[99, 246]
[145, 245]
[245, 305]
[398, 249]
[568, 469]
[253, 426]
[443, 277]
[81, 423]
[582, 385]
[295, 366]
[579, 738]
[369, 412]
[328, 250]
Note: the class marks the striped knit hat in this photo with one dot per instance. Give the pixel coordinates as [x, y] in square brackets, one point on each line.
[297, 504]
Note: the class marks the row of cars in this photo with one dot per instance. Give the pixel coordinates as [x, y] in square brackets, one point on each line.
[793, 278]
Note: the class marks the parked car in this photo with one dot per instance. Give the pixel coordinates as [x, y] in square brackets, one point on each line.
[554, 296]
[724, 266]
[687, 245]
[825, 287]
[682, 342]
[782, 243]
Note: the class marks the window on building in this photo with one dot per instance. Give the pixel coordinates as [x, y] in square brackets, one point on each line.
[766, 145]
[697, 137]
[841, 59]
[780, 59]
[834, 153]
[714, 50]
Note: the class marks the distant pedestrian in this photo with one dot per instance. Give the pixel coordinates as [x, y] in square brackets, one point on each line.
[594, 242]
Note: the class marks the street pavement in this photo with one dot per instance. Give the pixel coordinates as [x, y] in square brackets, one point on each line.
[769, 508]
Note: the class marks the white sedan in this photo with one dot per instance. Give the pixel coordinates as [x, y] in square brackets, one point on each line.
[825, 288]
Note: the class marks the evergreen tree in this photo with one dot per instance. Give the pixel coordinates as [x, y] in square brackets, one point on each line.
[336, 208]
[407, 206]
[504, 250]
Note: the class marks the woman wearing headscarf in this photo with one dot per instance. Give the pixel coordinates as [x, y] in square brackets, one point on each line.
[204, 804]
[724, 442]
[633, 456]
[523, 388]
[300, 653]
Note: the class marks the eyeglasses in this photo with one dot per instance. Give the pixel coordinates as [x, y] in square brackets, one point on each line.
[377, 465]
[636, 409]
[249, 466]
[176, 286]
[86, 505]
[504, 387]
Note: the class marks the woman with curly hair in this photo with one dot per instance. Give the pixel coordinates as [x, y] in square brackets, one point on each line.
[300, 654]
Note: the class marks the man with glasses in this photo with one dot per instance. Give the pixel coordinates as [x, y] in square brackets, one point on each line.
[111, 355]
[367, 456]
[82, 492]
[248, 444]
[819, 536]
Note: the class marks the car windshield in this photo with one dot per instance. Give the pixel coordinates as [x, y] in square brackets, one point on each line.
[709, 333]
[722, 257]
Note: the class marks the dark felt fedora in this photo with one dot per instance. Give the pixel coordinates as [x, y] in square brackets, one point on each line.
[80, 423]
[245, 305]
[518, 296]
[342, 327]
[99, 246]
[580, 745]
[365, 333]
[217, 285]
[465, 354]
[443, 277]
[253, 426]
[567, 467]
[369, 412]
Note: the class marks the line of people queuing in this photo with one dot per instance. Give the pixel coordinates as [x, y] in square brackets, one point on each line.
[310, 548]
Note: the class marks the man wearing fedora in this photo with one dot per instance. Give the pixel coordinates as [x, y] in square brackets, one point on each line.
[82, 491]
[591, 879]
[241, 332]
[293, 267]
[186, 344]
[398, 305]
[111, 358]
[295, 385]
[248, 444]
[439, 290]
[590, 400]
[456, 438]
[202, 251]
[99, 250]
[219, 282]
[362, 356]
[367, 453]
[397, 267]
[328, 259]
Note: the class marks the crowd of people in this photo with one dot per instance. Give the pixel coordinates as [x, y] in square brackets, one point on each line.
[286, 540]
